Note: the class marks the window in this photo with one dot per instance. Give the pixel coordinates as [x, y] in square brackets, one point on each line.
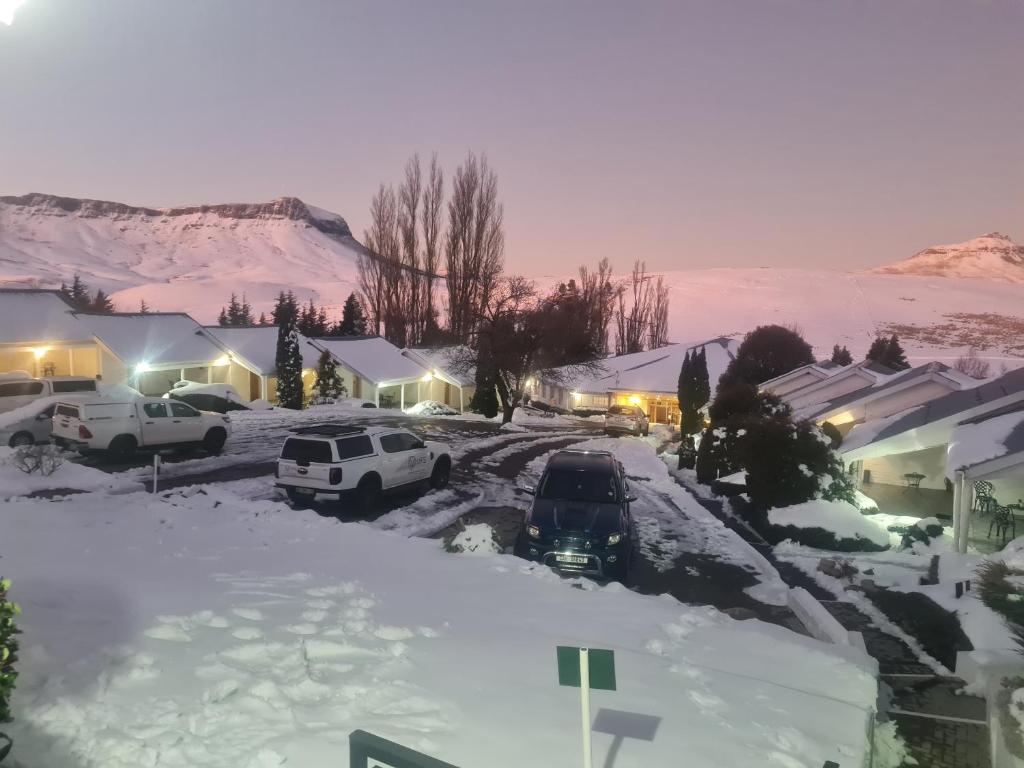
[398, 442]
[155, 410]
[306, 451]
[576, 485]
[354, 447]
[67, 410]
[47, 412]
[74, 385]
[21, 388]
[180, 409]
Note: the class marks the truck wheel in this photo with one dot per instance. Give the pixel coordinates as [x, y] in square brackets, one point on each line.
[298, 500]
[122, 447]
[21, 439]
[647, 430]
[214, 440]
[441, 474]
[367, 494]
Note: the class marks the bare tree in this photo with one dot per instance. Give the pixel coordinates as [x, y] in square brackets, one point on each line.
[659, 315]
[381, 271]
[632, 327]
[408, 224]
[972, 365]
[597, 296]
[475, 244]
[433, 200]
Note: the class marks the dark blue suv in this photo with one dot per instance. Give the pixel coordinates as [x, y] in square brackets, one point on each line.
[580, 519]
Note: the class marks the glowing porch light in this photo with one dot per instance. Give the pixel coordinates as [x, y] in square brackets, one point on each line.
[39, 352]
[428, 377]
[634, 400]
[143, 367]
[222, 360]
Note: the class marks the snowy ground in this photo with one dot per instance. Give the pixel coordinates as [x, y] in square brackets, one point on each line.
[200, 628]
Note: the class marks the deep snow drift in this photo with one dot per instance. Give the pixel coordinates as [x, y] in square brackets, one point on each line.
[202, 629]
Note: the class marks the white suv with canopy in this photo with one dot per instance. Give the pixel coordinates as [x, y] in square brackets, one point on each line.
[365, 461]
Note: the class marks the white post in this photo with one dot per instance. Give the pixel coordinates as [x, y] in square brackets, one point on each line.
[966, 501]
[156, 469]
[462, 407]
[958, 489]
[585, 705]
[71, 361]
[401, 397]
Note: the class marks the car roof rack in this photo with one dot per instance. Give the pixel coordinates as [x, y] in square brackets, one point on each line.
[328, 430]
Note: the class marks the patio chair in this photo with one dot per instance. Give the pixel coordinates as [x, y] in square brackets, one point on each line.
[984, 500]
[1003, 520]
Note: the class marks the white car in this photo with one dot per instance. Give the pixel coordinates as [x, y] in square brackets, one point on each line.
[121, 428]
[364, 461]
[16, 391]
[626, 420]
[30, 424]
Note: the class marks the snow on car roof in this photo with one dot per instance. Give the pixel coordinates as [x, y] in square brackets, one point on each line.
[373, 358]
[257, 346]
[33, 316]
[153, 338]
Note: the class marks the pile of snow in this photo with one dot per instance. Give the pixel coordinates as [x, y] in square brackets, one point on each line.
[15, 375]
[213, 630]
[512, 427]
[259, 405]
[431, 408]
[840, 518]
[864, 503]
[68, 476]
[354, 402]
[475, 539]
[527, 416]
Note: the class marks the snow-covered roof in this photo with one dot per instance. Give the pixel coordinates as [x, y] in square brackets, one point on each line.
[866, 373]
[932, 423]
[820, 372]
[153, 338]
[982, 440]
[375, 359]
[657, 370]
[442, 359]
[32, 317]
[934, 371]
[256, 346]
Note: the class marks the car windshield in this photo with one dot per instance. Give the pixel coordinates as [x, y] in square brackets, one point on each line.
[578, 485]
[621, 410]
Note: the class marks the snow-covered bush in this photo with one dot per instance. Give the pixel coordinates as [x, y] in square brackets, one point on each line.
[1010, 705]
[1000, 589]
[431, 408]
[37, 459]
[8, 657]
[833, 525]
[890, 749]
[476, 538]
[921, 531]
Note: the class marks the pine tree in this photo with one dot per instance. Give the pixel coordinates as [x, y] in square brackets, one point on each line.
[894, 355]
[485, 398]
[841, 355]
[77, 294]
[222, 318]
[263, 319]
[328, 385]
[877, 349]
[702, 386]
[101, 303]
[288, 362]
[353, 322]
[143, 307]
[245, 317]
[286, 310]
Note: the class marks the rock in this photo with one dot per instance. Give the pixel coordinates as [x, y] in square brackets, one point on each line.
[868, 571]
[740, 614]
[868, 585]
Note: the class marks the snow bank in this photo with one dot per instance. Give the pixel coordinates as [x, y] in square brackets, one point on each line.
[475, 539]
[840, 518]
[69, 476]
[218, 631]
[431, 408]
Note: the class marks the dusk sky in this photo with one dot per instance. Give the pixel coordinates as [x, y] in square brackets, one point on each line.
[689, 134]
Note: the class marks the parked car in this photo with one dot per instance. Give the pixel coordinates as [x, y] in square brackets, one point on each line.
[219, 398]
[626, 420]
[364, 462]
[16, 392]
[580, 517]
[121, 428]
[28, 425]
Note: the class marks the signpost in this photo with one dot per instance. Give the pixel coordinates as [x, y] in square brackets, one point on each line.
[586, 668]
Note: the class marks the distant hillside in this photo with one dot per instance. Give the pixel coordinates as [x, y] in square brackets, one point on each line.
[990, 257]
[191, 259]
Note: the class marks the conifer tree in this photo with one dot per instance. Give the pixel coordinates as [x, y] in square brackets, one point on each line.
[353, 322]
[328, 385]
[245, 316]
[841, 355]
[877, 349]
[263, 319]
[77, 294]
[101, 303]
[894, 355]
[143, 307]
[222, 318]
[485, 398]
[286, 309]
[702, 382]
[288, 363]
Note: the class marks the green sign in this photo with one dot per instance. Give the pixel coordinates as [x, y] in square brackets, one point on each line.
[602, 668]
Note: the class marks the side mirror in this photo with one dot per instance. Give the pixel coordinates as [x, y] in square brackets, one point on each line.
[43, 417]
[530, 489]
[419, 444]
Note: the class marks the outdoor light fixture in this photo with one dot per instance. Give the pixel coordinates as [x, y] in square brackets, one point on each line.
[142, 367]
[39, 352]
[222, 360]
[634, 400]
[428, 377]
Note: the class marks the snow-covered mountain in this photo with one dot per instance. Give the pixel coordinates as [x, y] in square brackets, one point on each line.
[188, 259]
[991, 257]
[192, 259]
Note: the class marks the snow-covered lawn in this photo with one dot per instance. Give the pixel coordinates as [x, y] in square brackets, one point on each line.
[206, 629]
[14, 482]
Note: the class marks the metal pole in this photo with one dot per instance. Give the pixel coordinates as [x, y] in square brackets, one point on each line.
[585, 705]
[156, 469]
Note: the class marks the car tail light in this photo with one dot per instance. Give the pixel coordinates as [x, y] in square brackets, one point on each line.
[83, 432]
[335, 476]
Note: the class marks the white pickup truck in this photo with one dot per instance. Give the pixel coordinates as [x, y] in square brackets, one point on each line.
[121, 428]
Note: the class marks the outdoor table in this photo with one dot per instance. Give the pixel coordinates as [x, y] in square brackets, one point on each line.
[913, 481]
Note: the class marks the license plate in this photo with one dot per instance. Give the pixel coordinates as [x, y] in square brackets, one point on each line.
[305, 491]
[572, 559]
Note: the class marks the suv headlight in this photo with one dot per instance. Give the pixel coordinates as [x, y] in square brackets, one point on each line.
[533, 531]
[614, 539]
